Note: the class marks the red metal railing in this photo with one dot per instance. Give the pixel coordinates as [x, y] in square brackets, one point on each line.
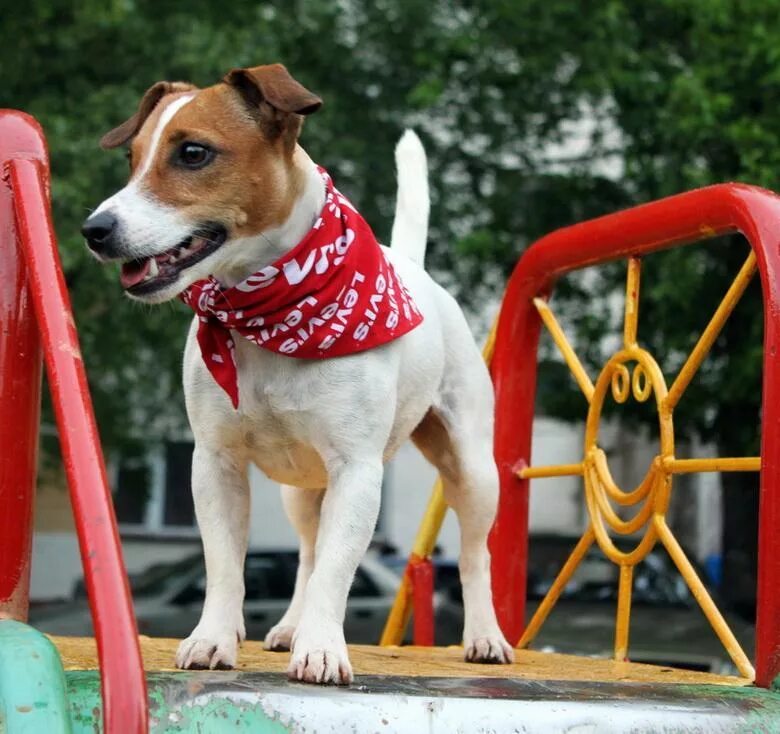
[34, 301]
[681, 219]
[421, 574]
[20, 389]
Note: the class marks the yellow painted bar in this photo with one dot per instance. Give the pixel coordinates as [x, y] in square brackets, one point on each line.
[424, 542]
[599, 461]
[689, 466]
[490, 343]
[432, 520]
[710, 333]
[398, 618]
[623, 527]
[631, 316]
[701, 595]
[568, 353]
[563, 578]
[623, 620]
[557, 470]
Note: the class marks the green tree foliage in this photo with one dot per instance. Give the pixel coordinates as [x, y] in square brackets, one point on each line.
[478, 82]
[665, 95]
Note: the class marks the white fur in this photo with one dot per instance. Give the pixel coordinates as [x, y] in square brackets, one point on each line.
[330, 425]
[146, 226]
[167, 115]
[410, 227]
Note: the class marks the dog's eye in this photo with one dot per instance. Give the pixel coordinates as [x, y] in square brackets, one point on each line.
[194, 155]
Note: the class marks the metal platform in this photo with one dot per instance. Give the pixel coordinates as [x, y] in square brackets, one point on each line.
[53, 686]
[427, 690]
[267, 702]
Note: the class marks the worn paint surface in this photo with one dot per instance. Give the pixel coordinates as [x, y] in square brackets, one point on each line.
[79, 653]
[266, 703]
[32, 683]
[177, 703]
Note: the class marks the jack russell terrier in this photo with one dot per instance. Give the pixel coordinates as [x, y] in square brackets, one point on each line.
[314, 353]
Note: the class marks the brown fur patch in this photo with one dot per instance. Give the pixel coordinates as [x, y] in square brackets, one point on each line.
[129, 128]
[252, 183]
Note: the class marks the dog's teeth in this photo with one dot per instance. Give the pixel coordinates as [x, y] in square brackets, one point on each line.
[171, 259]
[154, 271]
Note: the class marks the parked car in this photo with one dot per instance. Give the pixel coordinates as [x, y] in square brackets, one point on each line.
[667, 624]
[168, 598]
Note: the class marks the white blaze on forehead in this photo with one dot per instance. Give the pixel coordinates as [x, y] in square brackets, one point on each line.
[162, 123]
[149, 227]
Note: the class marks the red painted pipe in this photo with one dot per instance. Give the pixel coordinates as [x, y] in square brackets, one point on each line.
[20, 384]
[421, 577]
[123, 682]
[677, 220]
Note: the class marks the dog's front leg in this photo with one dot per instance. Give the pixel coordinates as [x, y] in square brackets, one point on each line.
[302, 507]
[220, 490]
[347, 520]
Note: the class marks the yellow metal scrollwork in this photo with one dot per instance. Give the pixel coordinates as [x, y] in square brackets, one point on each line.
[634, 371]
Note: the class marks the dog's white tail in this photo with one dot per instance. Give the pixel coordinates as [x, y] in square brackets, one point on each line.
[412, 205]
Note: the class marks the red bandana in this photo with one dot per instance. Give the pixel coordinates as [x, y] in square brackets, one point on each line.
[335, 293]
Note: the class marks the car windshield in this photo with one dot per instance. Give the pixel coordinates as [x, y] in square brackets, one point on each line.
[656, 580]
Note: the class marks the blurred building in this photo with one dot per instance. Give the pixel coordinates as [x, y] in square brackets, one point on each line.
[157, 523]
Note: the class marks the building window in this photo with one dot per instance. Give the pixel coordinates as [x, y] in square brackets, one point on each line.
[152, 494]
[178, 510]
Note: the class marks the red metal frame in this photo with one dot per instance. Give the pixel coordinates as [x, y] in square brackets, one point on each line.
[420, 572]
[31, 247]
[677, 220]
[20, 391]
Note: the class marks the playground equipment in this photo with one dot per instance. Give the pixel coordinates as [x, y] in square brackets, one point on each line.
[43, 688]
[654, 491]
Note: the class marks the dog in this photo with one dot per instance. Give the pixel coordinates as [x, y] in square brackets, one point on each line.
[219, 190]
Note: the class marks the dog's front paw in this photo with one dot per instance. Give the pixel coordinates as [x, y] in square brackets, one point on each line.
[488, 649]
[205, 651]
[320, 656]
[279, 638]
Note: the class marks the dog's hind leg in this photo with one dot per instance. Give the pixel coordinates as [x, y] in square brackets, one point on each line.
[220, 489]
[456, 436]
[302, 507]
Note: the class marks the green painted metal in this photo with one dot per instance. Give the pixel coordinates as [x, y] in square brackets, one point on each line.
[32, 683]
[216, 715]
[230, 702]
[760, 712]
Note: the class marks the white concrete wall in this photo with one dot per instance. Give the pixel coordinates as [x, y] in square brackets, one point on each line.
[556, 505]
[268, 525]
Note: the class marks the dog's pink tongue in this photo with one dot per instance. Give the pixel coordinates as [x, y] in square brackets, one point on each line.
[134, 272]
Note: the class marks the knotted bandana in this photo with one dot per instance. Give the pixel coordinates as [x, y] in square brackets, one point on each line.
[333, 294]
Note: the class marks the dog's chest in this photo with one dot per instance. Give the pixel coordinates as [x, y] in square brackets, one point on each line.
[276, 439]
[284, 406]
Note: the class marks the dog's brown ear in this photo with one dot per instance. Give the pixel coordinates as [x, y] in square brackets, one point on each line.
[129, 128]
[273, 84]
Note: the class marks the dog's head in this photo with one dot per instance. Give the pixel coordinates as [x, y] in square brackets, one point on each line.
[208, 168]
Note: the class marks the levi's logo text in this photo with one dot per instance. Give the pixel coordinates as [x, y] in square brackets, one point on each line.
[334, 294]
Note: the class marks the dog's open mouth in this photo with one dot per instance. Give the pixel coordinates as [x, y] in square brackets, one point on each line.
[149, 274]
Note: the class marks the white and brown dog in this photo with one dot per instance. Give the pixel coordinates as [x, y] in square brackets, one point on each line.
[220, 188]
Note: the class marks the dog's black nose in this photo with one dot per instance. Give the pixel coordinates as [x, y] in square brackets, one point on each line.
[98, 231]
